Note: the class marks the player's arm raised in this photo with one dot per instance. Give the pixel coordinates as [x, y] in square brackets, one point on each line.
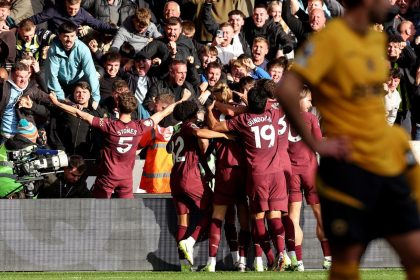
[209, 134]
[70, 109]
[213, 123]
[287, 93]
[157, 117]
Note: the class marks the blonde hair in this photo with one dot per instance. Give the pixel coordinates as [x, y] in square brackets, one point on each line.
[305, 92]
[222, 92]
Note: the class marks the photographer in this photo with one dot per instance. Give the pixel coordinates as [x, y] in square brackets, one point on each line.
[70, 184]
[26, 136]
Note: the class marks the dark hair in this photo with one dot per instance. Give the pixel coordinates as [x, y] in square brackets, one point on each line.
[19, 66]
[351, 4]
[83, 85]
[119, 84]
[236, 13]
[396, 73]
[127, 102]
[395, 38]
[257, 101]
[127, 50]
[173, 21]
[266, 85]
[244, 81]
[5, 4]
[260, 6]
[176, 62]
[67, 27]
[214, 64]
[26, 25]
[76, 161]
[111, 56]
[185, 110]
[282, 62]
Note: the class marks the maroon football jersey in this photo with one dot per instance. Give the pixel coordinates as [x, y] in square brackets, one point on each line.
[301, 156]
[283, 134]
[185, 174]
[259, 133]
[228, 153]
[119, 146]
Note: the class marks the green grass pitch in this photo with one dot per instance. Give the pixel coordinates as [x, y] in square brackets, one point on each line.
[383, 274]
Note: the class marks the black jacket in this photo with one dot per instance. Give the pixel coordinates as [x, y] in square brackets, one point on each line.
[75, 136]
[277, 38]
[56, 187]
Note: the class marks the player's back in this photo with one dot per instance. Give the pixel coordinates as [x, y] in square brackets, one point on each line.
[185, 173]
[120, 145]
[228, 153]
[347, 71]
[259, 133]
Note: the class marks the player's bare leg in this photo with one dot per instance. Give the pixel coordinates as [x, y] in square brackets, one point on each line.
[407, 246]
[316, 209]
[346, 261]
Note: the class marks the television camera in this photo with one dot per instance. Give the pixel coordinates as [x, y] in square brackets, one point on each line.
[31, 164]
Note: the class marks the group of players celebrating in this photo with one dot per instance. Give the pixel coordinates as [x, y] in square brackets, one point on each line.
[368, 180]
[256, 169]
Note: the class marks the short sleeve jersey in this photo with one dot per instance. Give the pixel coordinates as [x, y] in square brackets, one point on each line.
[301, 156]
[259, 133]
[228, 153]
[283, 133]
[120, 144]
[346, 71]
[185, 174]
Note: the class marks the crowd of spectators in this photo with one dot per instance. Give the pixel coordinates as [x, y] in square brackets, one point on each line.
[90, 51]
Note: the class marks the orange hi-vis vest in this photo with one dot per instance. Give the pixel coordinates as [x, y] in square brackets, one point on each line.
[158, 164]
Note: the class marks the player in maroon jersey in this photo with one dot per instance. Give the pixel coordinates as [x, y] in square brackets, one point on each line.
[270, 86]
[188, 189]
[229, 191]
[266, 187]
[121, 139]
[304, 166]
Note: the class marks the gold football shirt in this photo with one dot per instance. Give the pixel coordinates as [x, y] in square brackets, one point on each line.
[346, 71]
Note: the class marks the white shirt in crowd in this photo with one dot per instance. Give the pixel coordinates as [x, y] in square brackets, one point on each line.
[392, 103]
[231, 51]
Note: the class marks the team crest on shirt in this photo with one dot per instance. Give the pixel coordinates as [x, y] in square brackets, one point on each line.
[148, 123]
[101, 122]
[307, 51]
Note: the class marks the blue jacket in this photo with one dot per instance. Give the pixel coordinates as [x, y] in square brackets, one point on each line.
[56, 16]
[69, 69]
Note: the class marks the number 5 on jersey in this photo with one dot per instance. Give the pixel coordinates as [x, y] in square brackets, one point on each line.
[126, 143]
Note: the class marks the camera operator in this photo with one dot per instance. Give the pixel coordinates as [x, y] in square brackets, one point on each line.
[70, 184]
[26, 135]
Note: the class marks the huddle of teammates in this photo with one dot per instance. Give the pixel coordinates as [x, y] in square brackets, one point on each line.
[262, 167]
